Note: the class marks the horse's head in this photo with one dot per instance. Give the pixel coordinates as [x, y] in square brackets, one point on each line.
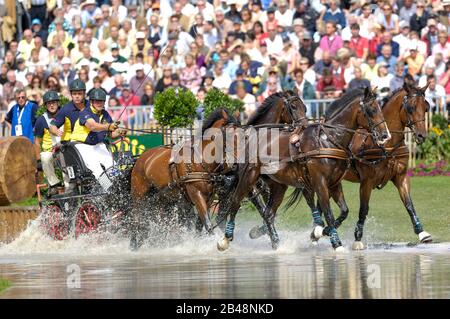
[294, 110]
[371, 117]
[220, 118]
[414, 108]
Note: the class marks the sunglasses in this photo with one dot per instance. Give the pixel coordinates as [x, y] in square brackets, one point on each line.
[21, 97]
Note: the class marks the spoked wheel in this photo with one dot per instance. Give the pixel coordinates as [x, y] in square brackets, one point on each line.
[54, 222]
[87, 219]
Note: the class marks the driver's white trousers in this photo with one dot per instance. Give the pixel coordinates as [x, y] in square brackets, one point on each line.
[48, 166]
[94, 156]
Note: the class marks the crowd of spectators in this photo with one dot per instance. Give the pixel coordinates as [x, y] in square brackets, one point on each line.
[248, 49]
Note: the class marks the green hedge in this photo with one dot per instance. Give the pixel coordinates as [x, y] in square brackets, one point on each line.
[175, 108]
[436, 146]
[215, 99]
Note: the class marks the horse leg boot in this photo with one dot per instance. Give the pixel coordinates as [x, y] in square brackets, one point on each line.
[403, 186]
[365, 191]
[318, 223]
[224, 243]
[324, 200]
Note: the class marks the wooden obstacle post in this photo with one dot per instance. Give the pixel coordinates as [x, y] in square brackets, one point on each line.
[17, 170]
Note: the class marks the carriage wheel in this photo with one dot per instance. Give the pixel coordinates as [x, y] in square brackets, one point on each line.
[87, 219]
[56, 226]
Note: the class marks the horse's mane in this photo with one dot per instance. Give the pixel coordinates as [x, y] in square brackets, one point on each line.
[214, 117]
[341, 103]
[264, 108]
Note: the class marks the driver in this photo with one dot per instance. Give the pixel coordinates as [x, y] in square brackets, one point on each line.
[93, 126]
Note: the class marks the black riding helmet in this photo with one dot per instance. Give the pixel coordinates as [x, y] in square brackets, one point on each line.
[77, 85]
[97, 95]
[51, 96]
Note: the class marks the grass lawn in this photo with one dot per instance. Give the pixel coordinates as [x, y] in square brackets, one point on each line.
[388, 220]
[28, 202]
[4, 284]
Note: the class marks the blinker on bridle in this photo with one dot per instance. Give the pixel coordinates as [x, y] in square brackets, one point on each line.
[372, 126]
[287, 104]
[408, 106]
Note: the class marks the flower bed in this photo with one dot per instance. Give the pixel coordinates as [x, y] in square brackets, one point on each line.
[440, 168]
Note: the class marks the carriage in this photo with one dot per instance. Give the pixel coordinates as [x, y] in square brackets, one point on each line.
[94, 204]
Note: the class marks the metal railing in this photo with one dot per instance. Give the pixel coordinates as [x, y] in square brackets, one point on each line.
[140, 120]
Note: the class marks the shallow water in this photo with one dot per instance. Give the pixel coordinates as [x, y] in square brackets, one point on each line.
[102, 266]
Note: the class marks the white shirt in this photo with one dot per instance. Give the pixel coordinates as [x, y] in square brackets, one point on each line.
[381, 82]
[20, 76]
[222, 82]
[207, 13]
[284, 19]
[310, 76]
[249, 103]
[122, 13]
[346, 34]
[108, 84]
[275, 46]
[438, 94]
[403, 42]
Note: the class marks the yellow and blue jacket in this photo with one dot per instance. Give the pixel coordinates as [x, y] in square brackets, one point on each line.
[42, 131]
[68, 116]
[82, 134]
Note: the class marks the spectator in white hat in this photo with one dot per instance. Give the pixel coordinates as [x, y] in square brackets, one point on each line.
[297, 32]
[67, 74]
[138, 81]
[142, 46]
[403, 37]
[88, 11]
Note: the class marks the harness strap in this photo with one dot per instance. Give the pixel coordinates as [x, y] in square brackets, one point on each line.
[334, 153]
[390, 152]
[195, 177]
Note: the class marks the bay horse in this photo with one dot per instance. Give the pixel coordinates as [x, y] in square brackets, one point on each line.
[164, 179]
[279, 108]
[375, 166]
[405, 108]
[323, 159]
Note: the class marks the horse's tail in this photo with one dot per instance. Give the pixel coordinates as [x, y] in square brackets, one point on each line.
[294, 198]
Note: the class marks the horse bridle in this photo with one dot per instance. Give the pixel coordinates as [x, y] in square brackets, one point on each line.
[372, 125]
[287, 105]
[406, 106]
